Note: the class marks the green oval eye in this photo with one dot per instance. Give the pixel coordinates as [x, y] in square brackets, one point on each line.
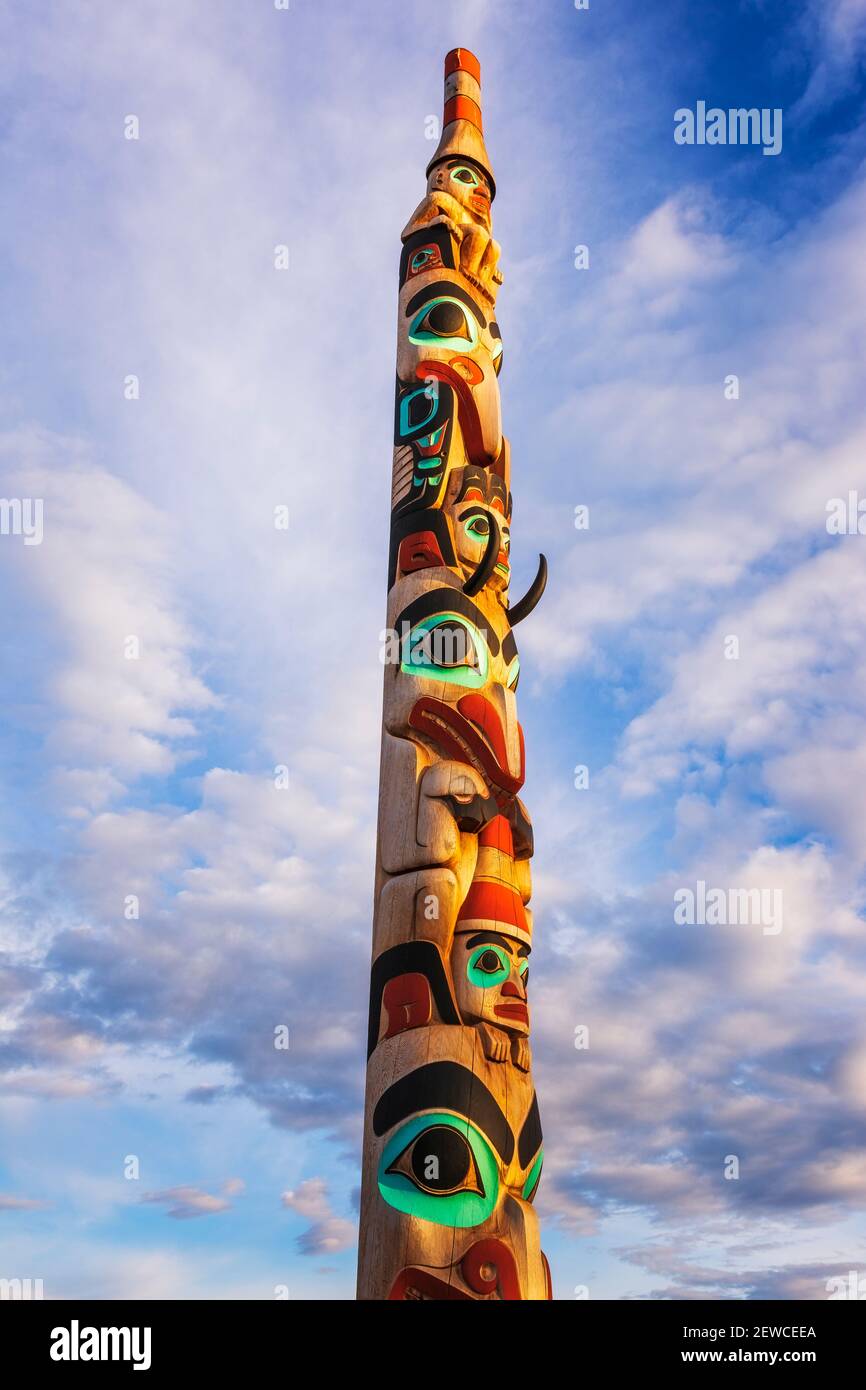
[513, 674]
[445, 323]
[447, 647]
[530, 1187]
[524, 970]
[478, 528]
[420, 259]
[440, 1168]
[488, 966]
[463, 175]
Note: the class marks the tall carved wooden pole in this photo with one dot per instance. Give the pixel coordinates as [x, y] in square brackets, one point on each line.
[452, 1139]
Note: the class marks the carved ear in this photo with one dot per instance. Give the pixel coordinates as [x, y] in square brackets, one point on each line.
[477, 581]
[524, 607]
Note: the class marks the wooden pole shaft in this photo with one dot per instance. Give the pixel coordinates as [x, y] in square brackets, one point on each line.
[452, 1138]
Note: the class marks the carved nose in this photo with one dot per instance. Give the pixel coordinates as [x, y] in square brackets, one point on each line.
[511, 991]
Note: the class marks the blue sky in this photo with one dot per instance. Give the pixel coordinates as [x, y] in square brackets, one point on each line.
[155, 777]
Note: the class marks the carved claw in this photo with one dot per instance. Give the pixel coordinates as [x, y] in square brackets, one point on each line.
[494, 1042]
[521, 1054]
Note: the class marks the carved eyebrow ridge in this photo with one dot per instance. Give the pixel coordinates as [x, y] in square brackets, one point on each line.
[445, 600]
[445, 287]
[508, 942]
[445, 1084]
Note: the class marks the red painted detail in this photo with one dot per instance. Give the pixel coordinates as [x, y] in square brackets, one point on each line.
[467, 368]
[462, 108]
[493, 902]
[462, 60]
[408, 1003]
[511, 991]
[486, 716]
[419, 551]
[460, 738]
[470, 423]
[428, 450]
[434, 263]
[489, 1266]
[497, 835]
[518, 1012]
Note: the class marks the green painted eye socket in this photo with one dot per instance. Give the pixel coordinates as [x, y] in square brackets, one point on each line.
[513, 674]
[478, 529]
[442, 1169]
[488, 966]
[420, 259]
[445, 323]
[524, 970]
[463, 175]
[530, 1187]
[447, 647]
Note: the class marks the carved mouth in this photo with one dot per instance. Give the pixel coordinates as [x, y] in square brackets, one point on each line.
[516, 1011]
[458, 731]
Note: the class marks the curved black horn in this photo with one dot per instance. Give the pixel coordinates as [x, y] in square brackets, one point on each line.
[521, 610]
[476, 581]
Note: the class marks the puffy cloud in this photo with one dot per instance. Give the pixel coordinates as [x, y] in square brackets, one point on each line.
[183, 1203]
[326, 1233]
[707, 518]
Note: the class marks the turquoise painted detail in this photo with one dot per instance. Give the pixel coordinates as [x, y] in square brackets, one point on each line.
[457, 1209]
[458, 341]
[431, 440]
[462, 174]
[406, 427]
[424, 646]
[480, 970]
[533, 1179]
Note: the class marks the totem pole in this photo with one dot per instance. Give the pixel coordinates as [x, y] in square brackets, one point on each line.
[452, 1138]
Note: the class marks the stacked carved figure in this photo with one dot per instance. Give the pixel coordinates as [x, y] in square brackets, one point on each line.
[452, 1141]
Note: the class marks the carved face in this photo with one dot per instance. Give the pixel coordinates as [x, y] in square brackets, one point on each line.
[490, 973]
[465, 182]
[457, 1162]
[453, 685]
[478, 505]
[446, 339]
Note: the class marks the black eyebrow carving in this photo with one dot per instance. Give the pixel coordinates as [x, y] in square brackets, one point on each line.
[452, 1087]
[476, 510]
[445, 287]
[530, 1136]
[444, 600]
[508, 941]
[498, 940]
